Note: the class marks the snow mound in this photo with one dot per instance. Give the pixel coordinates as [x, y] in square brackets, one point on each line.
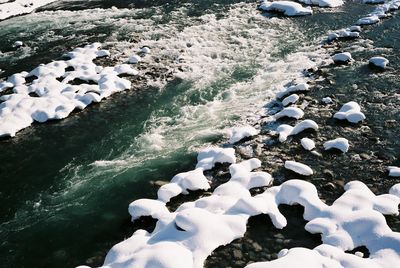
[394, 171]
[292, 89]
[292, 112]
[307, 144]
[285, 130]
[341, 144]
[56, 95]
[207, 158]
[327, 100]
[288, 8]
[239, 133]
[181, 183]
[299, 168]
[290, 99]
[351, 112]
[342, 57]
[185, 237]
[379, 62]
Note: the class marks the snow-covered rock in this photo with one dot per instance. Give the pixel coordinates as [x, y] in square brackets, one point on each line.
[288, 8]
[394, 171]
[373, 1]
[368, 20]
[341, 144]
[342, 57]
[323, 3]
[292, 89]
[238, 133]
[327, 100]
[18, 44]
[290, 99]
[299, 168]
[292, 112]
[285, 130]
[307, 144]
[57, 96]
[351, 112]
[145, 50]
[379, 62]
[134, 59]
[207, 158]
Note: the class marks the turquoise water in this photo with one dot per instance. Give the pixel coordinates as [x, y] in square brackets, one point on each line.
[66, 185]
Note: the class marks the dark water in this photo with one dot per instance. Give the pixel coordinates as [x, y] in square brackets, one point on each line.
[66, 185]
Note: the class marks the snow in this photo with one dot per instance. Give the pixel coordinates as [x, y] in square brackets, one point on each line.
[307, 144]
[292, 112]
[341, 144]
[19, 7]
[342, 57]
[285, 130]
[373, 1]
[327, 100]
[18, 44]
[352, 32]
[239, 133]
[181, 183]
[145, 50]
[351, 112]
[394, 171]
[288, 8]
[134, 59]
[323, 3]
[291, 89]
[299, 168]
[57, 97]
[290, 99]
[207, 158]
[380, 62]
[187, 236]
[368, 20]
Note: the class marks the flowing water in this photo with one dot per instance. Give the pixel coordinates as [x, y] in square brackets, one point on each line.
[66, 185]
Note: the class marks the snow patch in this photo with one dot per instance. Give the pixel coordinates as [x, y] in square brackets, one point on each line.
[341, 144]
[351, 112]
[299, 168]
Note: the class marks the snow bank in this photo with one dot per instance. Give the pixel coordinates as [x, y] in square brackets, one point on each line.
[239, 133]
[292, 112]
[299, 168]
[285, 130]
[290, 99]
[379, 62]
[55, 97]
[341, 144]
[342, 57]
[288, 8]
[351, 112]
[307, 144]
[19, 7]
[184, 238]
